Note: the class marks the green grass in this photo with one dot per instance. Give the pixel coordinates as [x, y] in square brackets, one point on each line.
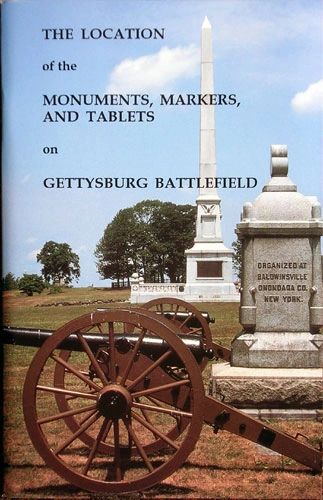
[45, 310]
[42, 311]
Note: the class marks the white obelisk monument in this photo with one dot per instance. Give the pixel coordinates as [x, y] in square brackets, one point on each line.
[208, 262]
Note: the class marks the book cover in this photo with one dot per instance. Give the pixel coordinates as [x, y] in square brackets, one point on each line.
[101, 107]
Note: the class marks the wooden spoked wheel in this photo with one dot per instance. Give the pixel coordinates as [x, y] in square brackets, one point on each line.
[185, 317]
[126, 407]
[155, 444]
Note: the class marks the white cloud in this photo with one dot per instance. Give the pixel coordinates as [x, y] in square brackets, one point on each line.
[33, 254]
[310, 100]
[155, 71]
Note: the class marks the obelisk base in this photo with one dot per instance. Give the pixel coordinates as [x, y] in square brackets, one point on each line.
[293, 392]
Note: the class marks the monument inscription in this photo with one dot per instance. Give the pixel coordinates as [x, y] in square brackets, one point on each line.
[209, 269]
[282, 277]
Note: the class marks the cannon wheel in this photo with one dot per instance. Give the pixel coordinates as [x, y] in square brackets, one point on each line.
[174, 306]
[63, 401]
[112, 406]
[160, 306]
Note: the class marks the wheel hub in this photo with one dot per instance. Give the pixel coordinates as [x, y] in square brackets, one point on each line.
[114, 402]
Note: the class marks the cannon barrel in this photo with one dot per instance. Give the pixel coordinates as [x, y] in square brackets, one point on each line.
[151, 345]
[29, 337]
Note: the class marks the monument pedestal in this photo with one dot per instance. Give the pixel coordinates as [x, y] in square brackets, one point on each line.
[270, 392]
[276, 361]
[277, 350]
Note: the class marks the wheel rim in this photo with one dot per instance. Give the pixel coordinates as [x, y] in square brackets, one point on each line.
[110, 408]
[173, 307]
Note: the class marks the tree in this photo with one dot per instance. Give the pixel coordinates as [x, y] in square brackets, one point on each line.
[113, 252]
[146, 249]
[60, 264]
[9, 282]
[174, 230]
[149, 238]
[237, 258]
[31, 283]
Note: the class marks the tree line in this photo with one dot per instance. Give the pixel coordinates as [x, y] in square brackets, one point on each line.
[149, 238]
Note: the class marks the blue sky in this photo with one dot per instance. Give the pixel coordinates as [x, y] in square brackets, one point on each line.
[268, 52]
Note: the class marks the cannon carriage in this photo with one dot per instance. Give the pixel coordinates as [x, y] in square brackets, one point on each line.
[114, 400]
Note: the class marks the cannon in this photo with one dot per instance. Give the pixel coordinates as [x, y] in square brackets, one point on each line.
[114, 400]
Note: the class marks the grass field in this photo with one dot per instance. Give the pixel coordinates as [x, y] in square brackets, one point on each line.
[221, 466]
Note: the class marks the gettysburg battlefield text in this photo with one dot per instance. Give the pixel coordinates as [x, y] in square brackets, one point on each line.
[144, 182]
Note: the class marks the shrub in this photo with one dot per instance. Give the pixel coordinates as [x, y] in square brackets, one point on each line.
[31, 283]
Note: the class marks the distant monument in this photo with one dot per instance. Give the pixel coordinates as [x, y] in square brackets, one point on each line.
[277, 359]
[208, 262]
